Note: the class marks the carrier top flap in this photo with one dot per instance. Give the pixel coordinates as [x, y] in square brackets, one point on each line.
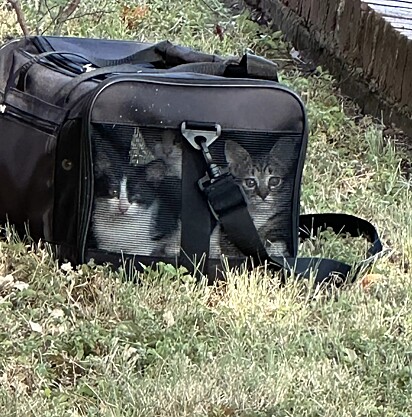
[64, 63]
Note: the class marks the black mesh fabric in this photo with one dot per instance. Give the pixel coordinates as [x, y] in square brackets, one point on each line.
[264, 164]
[137, 190]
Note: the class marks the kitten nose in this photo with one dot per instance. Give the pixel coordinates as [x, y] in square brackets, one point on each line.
[123, 206]
[263, 194]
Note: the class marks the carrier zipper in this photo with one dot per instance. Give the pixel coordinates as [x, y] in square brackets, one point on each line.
[47, 62]
[85, 183]
[27, 118]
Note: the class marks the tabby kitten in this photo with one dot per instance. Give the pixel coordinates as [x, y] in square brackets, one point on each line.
[165, 189]
[168, 148]
[262, 179]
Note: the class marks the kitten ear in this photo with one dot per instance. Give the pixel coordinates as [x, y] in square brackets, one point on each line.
[236, 154]
[168, 136]
[279, 155]
[282, 147]
[101, 164]
[276, 149]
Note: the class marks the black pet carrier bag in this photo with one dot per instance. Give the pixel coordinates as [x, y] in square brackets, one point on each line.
[117, 151]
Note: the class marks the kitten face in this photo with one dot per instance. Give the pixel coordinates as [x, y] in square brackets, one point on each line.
[135, 207]
[121, 216]
[164, 146]
[168, 149]
[261, 179]
[115, 186]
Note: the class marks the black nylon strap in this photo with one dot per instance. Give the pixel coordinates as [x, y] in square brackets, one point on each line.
[340, 223]
[250, 66]
[323, 269]
[227, 201]
[195, 218]
[163, 55]
[241, 231]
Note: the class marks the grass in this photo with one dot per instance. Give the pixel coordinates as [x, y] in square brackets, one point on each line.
[83, 341]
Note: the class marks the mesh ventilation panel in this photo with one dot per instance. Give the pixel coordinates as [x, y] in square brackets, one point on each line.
[264, 165]
[137, 190]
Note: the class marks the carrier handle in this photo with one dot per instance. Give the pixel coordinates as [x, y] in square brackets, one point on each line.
[162, 54]
[175, 58]
[72, 67]
[250, 66]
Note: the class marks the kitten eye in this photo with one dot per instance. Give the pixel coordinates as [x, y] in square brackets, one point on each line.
[114, 193]
[274, 182]
[250, 183]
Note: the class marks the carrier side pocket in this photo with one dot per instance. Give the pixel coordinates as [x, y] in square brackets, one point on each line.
[28, 131]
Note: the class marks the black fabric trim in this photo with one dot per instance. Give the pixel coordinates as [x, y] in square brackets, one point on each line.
[214, 269]
[195, 214]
